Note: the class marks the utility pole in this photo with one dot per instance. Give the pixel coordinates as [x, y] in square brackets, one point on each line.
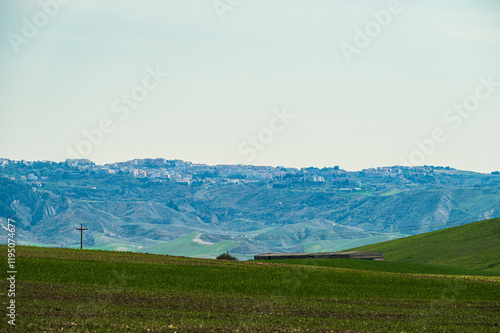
[81, 234]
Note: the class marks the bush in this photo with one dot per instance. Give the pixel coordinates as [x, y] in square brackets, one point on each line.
[226, 256]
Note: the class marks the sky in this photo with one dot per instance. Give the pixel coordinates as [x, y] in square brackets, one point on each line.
[294, 83]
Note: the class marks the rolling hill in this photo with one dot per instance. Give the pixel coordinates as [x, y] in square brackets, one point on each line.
[101, 291]
[475, 245]
[192, 246]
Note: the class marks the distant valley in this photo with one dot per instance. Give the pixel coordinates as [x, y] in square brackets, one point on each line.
[180, 208]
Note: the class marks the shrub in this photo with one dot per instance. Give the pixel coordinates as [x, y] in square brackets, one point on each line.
[226, 256]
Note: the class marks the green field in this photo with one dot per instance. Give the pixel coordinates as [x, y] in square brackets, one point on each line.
[392, 191]
[185, 245]
[88, 290]
[386, 266]
[188, 246]
[474, 245]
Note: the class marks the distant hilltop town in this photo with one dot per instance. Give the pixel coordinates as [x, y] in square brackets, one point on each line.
[188, 173]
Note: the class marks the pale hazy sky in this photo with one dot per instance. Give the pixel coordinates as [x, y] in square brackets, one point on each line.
[68, 69]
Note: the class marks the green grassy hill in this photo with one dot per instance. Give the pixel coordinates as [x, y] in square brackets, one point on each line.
[99, 291]
[474, 245]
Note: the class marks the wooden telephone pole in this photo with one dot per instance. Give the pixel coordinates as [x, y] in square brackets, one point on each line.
[81, 234]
